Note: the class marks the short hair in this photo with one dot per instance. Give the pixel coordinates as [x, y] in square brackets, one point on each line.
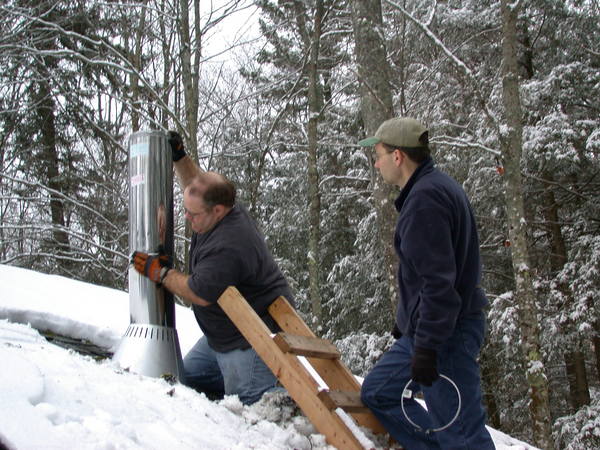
[416, 154]
[218, 190]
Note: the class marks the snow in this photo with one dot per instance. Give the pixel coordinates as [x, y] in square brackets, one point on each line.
[535, 367]
[53, 398]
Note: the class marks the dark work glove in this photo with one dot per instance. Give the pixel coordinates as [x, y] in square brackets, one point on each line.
[396, 331]
[424, 366]
[155, 267]
[176, 143]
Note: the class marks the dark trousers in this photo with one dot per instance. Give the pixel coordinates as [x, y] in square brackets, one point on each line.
[457, 359]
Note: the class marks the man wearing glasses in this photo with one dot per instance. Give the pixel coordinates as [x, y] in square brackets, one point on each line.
[440, 320]
[227, 249]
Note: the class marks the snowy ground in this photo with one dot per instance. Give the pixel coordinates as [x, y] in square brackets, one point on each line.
[52, 398]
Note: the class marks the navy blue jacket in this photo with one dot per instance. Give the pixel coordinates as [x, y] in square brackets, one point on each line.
[439, 272]
[233, 253]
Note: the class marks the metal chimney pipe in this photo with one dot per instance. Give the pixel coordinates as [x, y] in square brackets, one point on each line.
[150, 345]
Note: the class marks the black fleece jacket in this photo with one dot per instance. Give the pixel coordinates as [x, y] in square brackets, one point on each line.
[439, 272]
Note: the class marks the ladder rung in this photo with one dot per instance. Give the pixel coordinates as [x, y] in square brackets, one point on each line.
[349, 401]
[300, 382]
[306, 346]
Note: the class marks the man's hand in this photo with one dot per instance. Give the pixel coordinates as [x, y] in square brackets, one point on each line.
[176, 143]
[151, 266]
[424, 366]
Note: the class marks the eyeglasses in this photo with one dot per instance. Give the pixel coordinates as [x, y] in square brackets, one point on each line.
[376, 157]
[190, 214]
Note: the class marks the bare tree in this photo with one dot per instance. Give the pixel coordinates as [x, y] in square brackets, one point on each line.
[376, 106]
[511, 142]
[315, 104]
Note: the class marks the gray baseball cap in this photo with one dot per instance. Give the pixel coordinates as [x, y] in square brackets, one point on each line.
[399, 132]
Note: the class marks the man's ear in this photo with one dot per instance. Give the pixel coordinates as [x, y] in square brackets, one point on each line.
[219, 210]
[398, 156]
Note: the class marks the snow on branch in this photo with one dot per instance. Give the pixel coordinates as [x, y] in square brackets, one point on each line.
[66, 52]
[431, 35]
[127, 66]
[514, 6]
[457, 61]
[463, 143]
[83, 258]
[75, 234]
[432, 14]
[63, 196]
[340, 177]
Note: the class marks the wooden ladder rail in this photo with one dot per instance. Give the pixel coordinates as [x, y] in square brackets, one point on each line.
[334, 373]
[317, 404]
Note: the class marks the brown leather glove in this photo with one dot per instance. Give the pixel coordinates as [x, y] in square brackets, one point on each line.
[155, 267]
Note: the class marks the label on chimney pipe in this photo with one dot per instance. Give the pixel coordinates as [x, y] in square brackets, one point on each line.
[140, 149]
[137, 179]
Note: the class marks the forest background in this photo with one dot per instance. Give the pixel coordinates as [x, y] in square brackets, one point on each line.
[510, 92]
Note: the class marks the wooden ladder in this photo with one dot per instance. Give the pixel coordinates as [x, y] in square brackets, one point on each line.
[280, 353]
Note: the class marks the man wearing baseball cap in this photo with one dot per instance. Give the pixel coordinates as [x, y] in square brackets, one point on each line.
[440, 318]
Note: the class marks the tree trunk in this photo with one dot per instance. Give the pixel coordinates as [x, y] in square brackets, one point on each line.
[597, 350]
[315, 104]
[490, 383]
[46, 111]
[579, 393]
[190, 72]
[596, 338]
[376, 106]
[136, 61]
[573, 356]
[169, 63]
[511, 146]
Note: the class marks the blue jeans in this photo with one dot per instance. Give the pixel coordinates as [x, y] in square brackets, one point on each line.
[238, 372]
[457, 359]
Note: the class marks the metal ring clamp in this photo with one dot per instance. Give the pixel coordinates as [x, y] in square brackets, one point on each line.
[408, 393]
